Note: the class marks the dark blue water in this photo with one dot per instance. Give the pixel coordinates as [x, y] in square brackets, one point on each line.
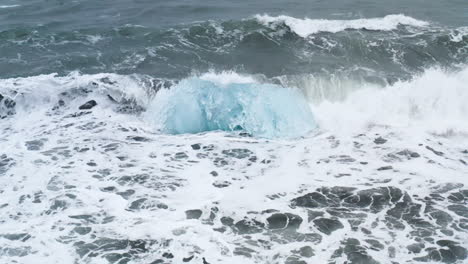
[172, 39]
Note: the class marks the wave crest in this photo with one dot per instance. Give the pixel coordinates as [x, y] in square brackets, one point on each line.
[433, 102]
[305, 27]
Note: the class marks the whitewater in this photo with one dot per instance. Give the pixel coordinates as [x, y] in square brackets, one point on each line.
[142, 182]
[320, 162]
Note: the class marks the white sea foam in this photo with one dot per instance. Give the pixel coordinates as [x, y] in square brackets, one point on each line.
[93, 39]
[227, 77]
[81, 166]
[41, 91]
[305, 27]
[9, 6]
[458, 34]
[435, 102]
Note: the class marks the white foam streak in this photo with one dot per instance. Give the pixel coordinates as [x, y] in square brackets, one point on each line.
[458, 34]
[36, 91]
[8, 6]
[305, 27]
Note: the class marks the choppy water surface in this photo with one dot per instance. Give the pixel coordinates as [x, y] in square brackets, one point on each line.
[228, 132]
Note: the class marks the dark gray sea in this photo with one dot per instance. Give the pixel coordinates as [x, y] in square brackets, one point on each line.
[171, 39]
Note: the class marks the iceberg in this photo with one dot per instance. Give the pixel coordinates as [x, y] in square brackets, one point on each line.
[196, 105]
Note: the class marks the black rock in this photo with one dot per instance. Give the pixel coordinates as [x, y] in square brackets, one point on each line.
[138, 138]
[195, 146]
[380, 140]
[385, 168]
[327, 225]
[82, 230]
[456, 197]
[193, 214]
[59, 104]
[253, 159]
[376, 198]
[339, 191]
[282, 221]
[446, 187]
[168, 255]
[376, 245]
[227, 221]
[243, 251]
[111, 98]
[34, 144]
[17, 236]
[126, 194]
[311, 200]
[205, 262]
[162, 206]
[220, 229]
[108, 189]
[306, 251]
[249, 226]
[459, 209]
[277, 221]
[221, 184]
[415, 248]
[245, 134]
[449, 254]
[180, 155]
[7, 108]
[442, 218]
[58, 205]
[138, 204]
[438, 153]
[356, 253]
[188, 259]
[454, 251]
[88, 105]
[311, 215]
[128, 248]
[294, 260]
[78, 114]
[237, 153]
[9, 103]
[408, 153]
[220, 162]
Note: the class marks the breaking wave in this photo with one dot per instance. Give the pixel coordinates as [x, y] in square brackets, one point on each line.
[305, 27]
[434, 101]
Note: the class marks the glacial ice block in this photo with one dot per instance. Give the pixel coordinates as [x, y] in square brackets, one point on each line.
[262, 110]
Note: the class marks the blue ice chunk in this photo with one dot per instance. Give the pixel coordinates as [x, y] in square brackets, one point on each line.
[263, 110]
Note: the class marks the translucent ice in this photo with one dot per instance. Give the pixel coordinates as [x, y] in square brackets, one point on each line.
[265, 110]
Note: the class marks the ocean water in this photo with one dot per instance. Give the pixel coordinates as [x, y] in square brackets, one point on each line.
[221, 131]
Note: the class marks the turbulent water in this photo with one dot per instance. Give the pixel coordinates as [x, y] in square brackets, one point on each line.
[220, 132]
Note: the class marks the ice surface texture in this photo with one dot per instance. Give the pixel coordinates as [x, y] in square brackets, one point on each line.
[265, 110]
